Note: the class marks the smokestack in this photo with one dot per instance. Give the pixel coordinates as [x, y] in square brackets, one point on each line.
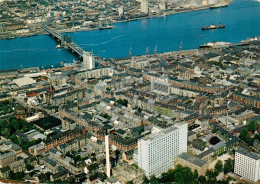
[107, 154]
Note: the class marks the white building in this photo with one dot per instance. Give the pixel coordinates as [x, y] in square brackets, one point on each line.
[88, 61]
[121, 11]
[247, 164]
[144, 6]
[157, 151]
[163, 5]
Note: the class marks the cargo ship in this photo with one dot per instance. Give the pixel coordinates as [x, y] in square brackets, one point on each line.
[213, 26]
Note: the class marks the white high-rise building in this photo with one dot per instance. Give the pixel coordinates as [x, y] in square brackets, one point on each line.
[157, 151]
[144, 6]
[247, 164]
[88, 61]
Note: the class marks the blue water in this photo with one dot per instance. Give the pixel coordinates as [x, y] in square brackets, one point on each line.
[242, 20]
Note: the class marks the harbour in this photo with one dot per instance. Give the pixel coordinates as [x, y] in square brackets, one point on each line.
[167, 32]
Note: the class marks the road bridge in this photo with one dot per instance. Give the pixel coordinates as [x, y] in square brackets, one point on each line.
[67, 42]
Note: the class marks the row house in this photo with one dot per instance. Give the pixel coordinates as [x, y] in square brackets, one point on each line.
[183, 84]
[248, 114]
[247, 100]
[61, 138]
[121, 143]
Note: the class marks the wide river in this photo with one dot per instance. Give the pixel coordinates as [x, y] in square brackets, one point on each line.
[242, 20]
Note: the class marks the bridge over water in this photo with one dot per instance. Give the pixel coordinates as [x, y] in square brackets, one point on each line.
[67, 42]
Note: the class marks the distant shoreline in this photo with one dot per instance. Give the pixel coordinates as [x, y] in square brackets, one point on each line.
[115, 21]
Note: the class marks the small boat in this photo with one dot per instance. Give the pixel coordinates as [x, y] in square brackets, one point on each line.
[58, 46]
[213, 26]
[10, 37]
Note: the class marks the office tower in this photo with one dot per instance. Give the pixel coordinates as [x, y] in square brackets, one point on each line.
[247, 164]
[157, 151]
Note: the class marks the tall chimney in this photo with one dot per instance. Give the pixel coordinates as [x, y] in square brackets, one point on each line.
[107, 154]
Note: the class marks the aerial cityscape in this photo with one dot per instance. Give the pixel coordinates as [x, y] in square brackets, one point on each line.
[130, 91]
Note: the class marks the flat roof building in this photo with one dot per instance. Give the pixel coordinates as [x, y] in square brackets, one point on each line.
[247, 164]
[157, 151]
[193, 162]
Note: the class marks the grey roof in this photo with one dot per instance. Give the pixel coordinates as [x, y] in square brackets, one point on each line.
[6, 155]
[219, 145]
[112, 180]
[193, 159]
[50, 161]
[243, 151]
[206, 153]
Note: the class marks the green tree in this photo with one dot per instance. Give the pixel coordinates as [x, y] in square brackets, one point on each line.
[178, 177]
[219, 167]
[202, 179]
[210, 174]
[130, 182]
[228, 166]
[195, 174]
[154, 180]
[28, 167]
[6, 132]
[168, 176]
[145, 180]
[187, 174]
[245, 136]
[251, 126]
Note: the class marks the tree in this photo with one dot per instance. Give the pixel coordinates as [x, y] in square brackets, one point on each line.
[214, 130]
[145, 180]
[154, 180]
[28, 167]
[251, 126]
[16, 176]
[178, 177]
[245, 136]
[6, 132]
[123, 102]
[202, 179]
[228, 166]
[130, 182]
[195, 174]
[187, 174]
[168, 176]
[219, 167]
[210, 174]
